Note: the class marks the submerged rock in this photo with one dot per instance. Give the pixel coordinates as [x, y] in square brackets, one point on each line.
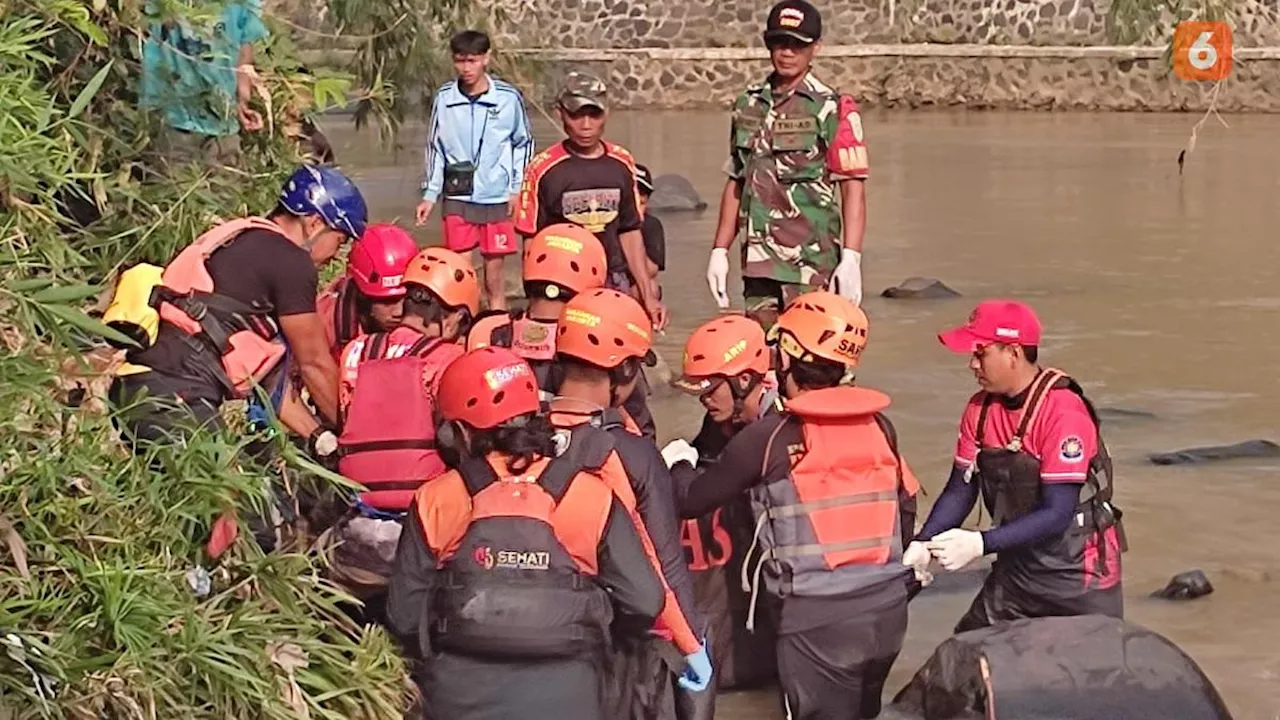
[673, 193]
[920, 288]
[1115, 413]
[1192, 456]
[1185, 586]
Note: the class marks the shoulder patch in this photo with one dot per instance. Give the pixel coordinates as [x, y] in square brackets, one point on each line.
[620, 153]
[1072, 449]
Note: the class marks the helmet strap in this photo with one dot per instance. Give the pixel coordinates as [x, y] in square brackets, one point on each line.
[740, 387]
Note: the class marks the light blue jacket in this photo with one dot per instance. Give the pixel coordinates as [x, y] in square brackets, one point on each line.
[490, 131]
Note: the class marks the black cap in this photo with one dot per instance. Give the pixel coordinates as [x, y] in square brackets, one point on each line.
[644, 179]
[794, 19]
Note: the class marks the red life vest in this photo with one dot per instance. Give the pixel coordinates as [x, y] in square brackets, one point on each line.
[336, 305]
[388, 433]
[520, 554]
[246, 337]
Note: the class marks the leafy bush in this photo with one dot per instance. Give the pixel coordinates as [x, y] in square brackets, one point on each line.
[105, 608]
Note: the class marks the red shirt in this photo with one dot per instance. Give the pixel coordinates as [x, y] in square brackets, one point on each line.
[1062, 436]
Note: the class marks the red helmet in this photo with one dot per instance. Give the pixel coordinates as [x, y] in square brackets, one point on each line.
[378, 260]
[487, 387]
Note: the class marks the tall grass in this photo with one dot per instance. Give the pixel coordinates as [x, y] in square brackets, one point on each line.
[108, 606]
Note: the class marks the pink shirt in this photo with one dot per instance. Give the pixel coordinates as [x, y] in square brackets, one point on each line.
[1062, 436]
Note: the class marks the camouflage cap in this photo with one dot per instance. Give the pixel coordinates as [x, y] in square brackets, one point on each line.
[581, 90]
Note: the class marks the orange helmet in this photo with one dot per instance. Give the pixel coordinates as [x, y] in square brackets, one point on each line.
[605, 327]
[727, 346]
[567, 256]
[446, 274]
[823, 325]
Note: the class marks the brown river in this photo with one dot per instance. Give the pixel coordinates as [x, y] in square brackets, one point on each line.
[1151, 287]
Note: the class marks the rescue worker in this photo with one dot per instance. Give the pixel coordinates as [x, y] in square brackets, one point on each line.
[602, 339]
[252, 284]
[591, 182]
[796, 145]
[833, 500]
[560, 262]
[368, 298]
[726, 365]
[1030, 445]
[517, 561]
[389, 386]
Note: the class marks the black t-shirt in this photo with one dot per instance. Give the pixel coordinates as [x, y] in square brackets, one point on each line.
[259, 267]
[655, 241]
[597, 193]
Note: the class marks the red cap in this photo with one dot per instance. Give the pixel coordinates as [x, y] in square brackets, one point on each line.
[994, 321]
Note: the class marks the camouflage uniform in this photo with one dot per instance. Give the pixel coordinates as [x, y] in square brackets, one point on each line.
[791, 153]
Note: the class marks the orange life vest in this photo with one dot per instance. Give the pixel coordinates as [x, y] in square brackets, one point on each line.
[518, 552]
[833, 525]
[246, 338]
[672, 623]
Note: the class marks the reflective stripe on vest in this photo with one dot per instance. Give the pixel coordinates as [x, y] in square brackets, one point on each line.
[831, 526]
[525, 540]
[248, 356]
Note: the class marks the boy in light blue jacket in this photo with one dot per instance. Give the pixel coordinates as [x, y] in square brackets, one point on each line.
[479, 145]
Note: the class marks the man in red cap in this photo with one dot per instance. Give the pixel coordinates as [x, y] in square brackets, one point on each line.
[1029, 442]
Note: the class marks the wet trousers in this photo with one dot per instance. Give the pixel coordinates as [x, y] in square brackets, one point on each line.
[838, 671]
[642, 685]
[456, 687]
[1000, 601]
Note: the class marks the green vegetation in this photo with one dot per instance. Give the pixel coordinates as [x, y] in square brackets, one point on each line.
[101, 553]
[1138, 22]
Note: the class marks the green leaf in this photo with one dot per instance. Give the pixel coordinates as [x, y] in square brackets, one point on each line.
[65, 294]
[82, 100]
[79, 320]
[27, 285]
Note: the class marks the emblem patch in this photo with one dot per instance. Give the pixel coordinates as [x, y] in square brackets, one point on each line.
[1072, 449]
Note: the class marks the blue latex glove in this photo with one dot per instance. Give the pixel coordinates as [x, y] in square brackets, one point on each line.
[697, 670]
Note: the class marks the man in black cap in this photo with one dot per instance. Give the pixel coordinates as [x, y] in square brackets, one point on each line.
[796, 144]
[655, 235]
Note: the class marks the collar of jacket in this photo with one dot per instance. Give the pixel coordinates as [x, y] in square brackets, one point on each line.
[458, 98]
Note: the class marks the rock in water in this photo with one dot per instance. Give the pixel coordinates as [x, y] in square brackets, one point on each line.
[1122, 414]
[1193, 456]
[673, 193]
[920, 288]
[1185, 586]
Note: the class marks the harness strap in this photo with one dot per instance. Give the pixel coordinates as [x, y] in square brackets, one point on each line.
[787, 511]
[347, 314]
[1040, 387]
[555, 479]
[791, 551]
[376, 445]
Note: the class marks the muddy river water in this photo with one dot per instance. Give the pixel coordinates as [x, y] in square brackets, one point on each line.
[1159, 293]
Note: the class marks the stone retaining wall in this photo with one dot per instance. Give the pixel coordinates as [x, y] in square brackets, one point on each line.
[1096, 79]
[1079, 54]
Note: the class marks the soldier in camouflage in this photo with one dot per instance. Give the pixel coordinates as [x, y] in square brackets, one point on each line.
[797, 160]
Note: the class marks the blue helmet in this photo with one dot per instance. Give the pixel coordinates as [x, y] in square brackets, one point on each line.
[323, 191]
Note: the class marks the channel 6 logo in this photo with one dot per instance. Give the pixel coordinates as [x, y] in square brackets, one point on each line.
[1202, 50]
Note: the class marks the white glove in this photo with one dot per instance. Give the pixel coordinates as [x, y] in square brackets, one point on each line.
[718, 276]
[917, 557]
[678, 450]
[847, 279]
[956, 548]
